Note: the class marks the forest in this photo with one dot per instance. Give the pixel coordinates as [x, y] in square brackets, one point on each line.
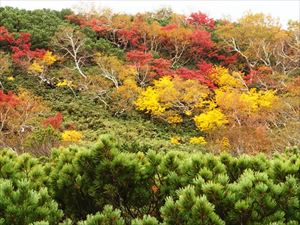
[155, 118]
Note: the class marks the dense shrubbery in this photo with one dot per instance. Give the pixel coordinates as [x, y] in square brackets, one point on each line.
[104, 184]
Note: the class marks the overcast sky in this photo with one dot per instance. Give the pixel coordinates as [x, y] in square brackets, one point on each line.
[284, 9]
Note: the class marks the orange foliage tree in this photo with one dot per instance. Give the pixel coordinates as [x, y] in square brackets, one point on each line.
[18, 116]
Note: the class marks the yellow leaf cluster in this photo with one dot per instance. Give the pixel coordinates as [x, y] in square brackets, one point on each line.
[198, 140]
[188, 112]
[38, 66]
[256, 34]
[171, 98]
[31, 103]
[49, 58]
[224, 79]
[149, 101]
[210, 120]
[207, 104]
[11, 78]
[114, 67]
[64, 83]
[249, 102]
[175, 140]
[123, 98]
[71, 136]
[225, 144]
[174, 119]
[35, 67]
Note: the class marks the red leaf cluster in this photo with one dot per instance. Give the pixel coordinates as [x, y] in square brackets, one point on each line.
[94, 23]
[263, 75]
[162, 67]
[6, 36]
[139, 58]
[54, 121]
[129, 36]
[9, 99]
[202, 38]
[201, 42]
[20, 46]
[186, 73]
[227, 60]
[169, 27]
[145, 62]
[204, 67]
[201, 19]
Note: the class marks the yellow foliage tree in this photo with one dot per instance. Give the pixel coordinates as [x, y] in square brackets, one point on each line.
[171, 98]
[113, 69]
[123, 98]
[149, 101]
[175, 140]
[36, 67]
[198, 140]
[210, 120]
[255, 37]
[247, 111]
[221, 76]
[249, 102]
[18, 119]
[39, 67]
[49, 58]
[71, 136]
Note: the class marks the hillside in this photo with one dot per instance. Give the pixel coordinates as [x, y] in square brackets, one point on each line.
[147, 119]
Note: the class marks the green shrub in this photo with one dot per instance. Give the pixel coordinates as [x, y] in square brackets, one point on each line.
[21, 204]
[107, 217]
[147, 187]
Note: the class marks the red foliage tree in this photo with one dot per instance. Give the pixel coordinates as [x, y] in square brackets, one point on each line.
[169, 27]
[54, 121]
[122, 36]
[162, 67]
[128, 36]
[186, 73]
[5, 36]
[227, 59]
[22, 54]
[204, 67]
[8, 104]
[9, 99]
[202, 39]
[149, 67]
[201, 45]
[75, 19]
[262, 77]
[138, 58]
[95, 24]
[20, 47]
[200, 19]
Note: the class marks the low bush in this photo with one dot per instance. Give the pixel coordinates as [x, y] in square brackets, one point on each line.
[105, 184]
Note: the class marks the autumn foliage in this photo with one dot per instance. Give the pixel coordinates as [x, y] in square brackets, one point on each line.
[235, 84]
[20, 47]
[54, 121]
[155, 118]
